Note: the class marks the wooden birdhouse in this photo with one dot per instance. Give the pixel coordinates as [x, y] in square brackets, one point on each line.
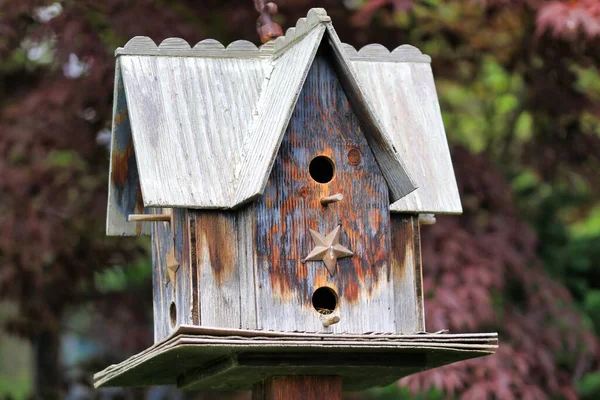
[283, 188]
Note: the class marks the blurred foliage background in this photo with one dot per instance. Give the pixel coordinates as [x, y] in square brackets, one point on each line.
[519, 87]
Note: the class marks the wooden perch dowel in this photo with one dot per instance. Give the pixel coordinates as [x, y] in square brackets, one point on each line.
[330, 320]
[149, 217]
[334, 198]
[426, 219]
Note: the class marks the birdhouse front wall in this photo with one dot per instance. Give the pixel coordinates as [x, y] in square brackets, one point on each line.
[324, 127]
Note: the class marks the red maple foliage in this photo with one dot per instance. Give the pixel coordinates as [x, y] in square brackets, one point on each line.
[474, 261]
[563, 18]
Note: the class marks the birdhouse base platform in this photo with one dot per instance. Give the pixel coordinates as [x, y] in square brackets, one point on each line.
[233, 359]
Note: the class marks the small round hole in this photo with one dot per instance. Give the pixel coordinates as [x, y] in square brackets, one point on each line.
[321, 169]
[324, 300]
[173, 314]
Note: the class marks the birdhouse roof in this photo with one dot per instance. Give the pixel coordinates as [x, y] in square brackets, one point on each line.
[200, 127]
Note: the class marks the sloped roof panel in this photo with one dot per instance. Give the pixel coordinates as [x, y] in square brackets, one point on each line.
[189, 118]
[277, 104]
[401, 88]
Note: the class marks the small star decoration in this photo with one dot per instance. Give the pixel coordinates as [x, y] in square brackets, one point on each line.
[172, 266]
[328, 249]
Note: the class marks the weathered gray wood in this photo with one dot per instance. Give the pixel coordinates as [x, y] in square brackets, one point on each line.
[179, 292]
[124, 192]
[406, 274]
[379, 53]
[393, 168]
[219, 268]
[404, 98]
[176, 47]
[274, 111]
[190, 117]
[191, 360]
[323, 123]
[314, 17]
[285, 81]
[246, 221]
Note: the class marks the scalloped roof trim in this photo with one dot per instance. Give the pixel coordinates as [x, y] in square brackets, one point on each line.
[176, 47]
[380, 53]
[143, 45]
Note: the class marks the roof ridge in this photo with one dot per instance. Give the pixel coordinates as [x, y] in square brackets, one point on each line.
[314, 17]
[380, 53]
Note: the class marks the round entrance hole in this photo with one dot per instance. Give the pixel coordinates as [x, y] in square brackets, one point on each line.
[173, 314]
[321, 169]
[325, 300]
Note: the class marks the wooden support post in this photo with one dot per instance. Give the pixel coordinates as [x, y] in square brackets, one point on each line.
[299, 388]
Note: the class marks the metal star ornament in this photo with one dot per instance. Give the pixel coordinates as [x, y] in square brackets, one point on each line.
[328, 249]
[172, 266]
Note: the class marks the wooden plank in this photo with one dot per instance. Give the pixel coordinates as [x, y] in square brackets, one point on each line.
[299, 388]
[162, 295]
[324, 124]
[217, 254]
[378, 53]
[183, 284]
[171, 296]
[246, 221]
[124, 192]
[404, 98]
[406, 274]
[190, 117]
[193, 361]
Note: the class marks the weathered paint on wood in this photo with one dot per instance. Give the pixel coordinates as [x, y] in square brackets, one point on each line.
[406, 274]
[178, 293]
[124, 192]
[190, 118]
[404, 97]
[299, 388]
[222, 260]
[218, 263]
[324, 124]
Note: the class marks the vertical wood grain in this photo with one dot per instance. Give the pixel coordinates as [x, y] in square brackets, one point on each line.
[323, 123]
[124, 191]
[406, 274]
[405, 100]
[164, 237]
[299, 388]
[246, 220]
[217, 250]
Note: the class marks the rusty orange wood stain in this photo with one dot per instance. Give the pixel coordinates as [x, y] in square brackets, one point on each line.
[322, 124]
[120, 165]
[217, 230]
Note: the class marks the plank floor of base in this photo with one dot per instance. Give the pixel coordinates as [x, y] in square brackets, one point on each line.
[230, 359]
[298, 388]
